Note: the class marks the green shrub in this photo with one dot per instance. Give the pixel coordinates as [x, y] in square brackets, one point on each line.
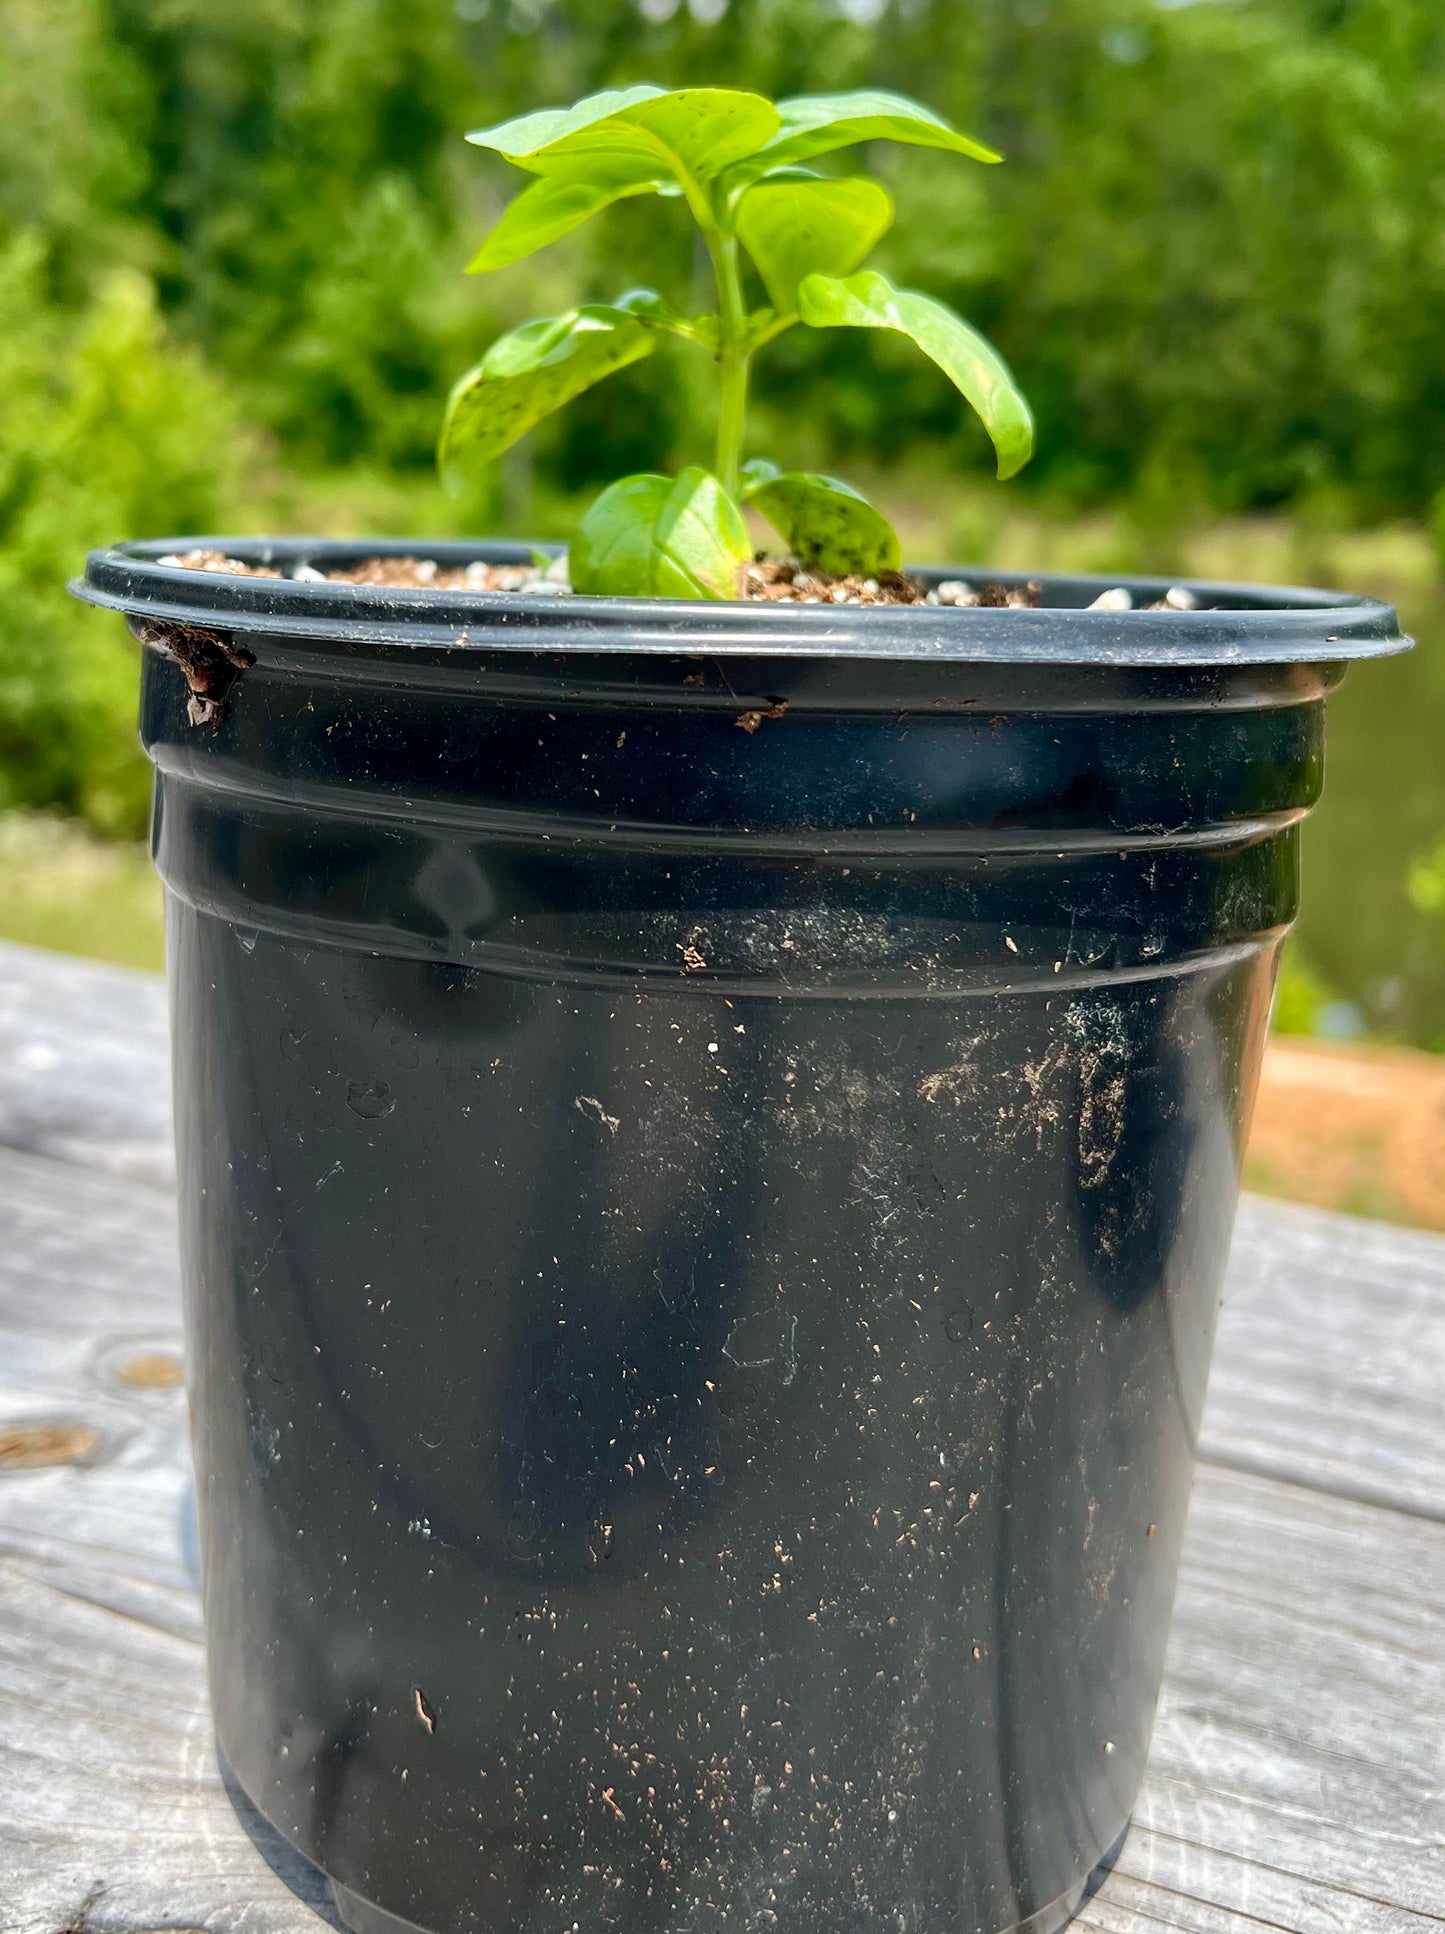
[106, 428]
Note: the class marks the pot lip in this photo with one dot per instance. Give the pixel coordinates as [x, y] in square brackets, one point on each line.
[1247, 624]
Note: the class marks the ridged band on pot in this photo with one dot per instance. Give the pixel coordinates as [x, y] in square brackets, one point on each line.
[708, 1141]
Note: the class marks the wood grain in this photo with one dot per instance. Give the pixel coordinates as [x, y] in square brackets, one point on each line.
[1330, 1365]
[1297, 1780]
[84, 1067]
[1297, 1773]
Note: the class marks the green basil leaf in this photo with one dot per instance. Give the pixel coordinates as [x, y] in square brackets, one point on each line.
[533, 371]
[708, 128]
[548, 209]
[795, 225]
[661, 537]
[528, 136]
[826, 524]
[869, 301]
[692, 132]
[813, 124]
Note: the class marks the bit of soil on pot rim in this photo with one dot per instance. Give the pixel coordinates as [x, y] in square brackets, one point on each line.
[209, 659]
[765, 581]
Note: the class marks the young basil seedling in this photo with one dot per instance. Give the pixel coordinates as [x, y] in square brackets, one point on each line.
[740, 164]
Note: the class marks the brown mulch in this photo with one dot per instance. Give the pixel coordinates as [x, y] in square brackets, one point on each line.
[1351, 1127]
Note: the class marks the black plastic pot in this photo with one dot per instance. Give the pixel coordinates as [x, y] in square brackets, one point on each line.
[708, 1140]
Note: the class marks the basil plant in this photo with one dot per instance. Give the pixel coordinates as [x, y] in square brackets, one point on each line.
[742, 166]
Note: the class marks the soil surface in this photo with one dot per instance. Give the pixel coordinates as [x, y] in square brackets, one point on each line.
[765, 581]
[771, 583]
[425, 574]
[403, 573]
[1354, 1128]
[218, 561]
[768, 582]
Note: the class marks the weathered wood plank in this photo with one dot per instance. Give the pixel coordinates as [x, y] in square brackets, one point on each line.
[1299, 1755]
[110, 1779]
[84, 1070]
[107, 1770]
[1330, 1363]
[88, 1291]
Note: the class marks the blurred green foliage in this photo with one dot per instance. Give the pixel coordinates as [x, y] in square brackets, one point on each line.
[232, 235]
[1301, 998]
[1427, 882]
[1216, 255]
[103, 427]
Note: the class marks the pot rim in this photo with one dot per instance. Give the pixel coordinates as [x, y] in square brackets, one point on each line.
[1237, 624]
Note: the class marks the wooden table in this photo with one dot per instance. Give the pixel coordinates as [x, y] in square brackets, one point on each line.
[1297, 1779]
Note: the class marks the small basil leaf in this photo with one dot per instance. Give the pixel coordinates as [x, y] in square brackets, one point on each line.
[869, 301]
[661, 537]
[794, 226]
[693, 132]
[548, 209]
[813, 124]
[527, 137]
[526, 375]
[707, 129]
[825, 523]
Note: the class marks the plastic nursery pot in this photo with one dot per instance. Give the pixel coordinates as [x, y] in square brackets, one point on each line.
[708, 1141]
